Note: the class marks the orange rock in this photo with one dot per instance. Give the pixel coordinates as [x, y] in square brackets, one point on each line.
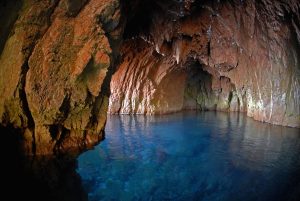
[248, 58]
[63, 54]
[57, 59]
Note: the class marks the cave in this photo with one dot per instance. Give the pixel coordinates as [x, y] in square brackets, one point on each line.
[189, 87]
[150, 99]
[204, 92]
[235, 50]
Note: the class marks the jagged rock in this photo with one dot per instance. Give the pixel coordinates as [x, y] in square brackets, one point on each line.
[58, 56]
[247, 53]
[54, 69]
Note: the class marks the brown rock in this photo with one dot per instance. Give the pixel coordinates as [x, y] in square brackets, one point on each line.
[58, 56]
[55, 63]
[247, 52]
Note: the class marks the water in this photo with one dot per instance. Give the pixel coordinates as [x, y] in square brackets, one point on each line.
[193, 156]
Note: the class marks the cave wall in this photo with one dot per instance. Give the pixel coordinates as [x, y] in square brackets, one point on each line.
[55, 72]
[251, 50]
[204, 92]
[146, 83]
[57, 58]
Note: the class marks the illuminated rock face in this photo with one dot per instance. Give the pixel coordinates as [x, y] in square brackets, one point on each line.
[55, 72]
[57, 58]
[210, 55]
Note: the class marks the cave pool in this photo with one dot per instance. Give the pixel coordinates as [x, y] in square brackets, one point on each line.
[205, 156]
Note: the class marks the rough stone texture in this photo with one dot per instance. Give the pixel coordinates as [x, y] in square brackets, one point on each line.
[57, 58]
[247, 51]
[146, 83]
[55, 71]
[205, 92]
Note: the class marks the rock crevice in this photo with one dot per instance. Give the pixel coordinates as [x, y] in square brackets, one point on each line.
[54, 73]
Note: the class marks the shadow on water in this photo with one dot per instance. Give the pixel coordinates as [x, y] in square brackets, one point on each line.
[39, 178]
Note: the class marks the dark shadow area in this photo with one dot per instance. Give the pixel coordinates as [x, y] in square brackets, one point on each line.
[139, 15]
[9, 10]
[37, 178]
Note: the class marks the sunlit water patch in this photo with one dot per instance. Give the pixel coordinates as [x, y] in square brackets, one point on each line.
[193, 156]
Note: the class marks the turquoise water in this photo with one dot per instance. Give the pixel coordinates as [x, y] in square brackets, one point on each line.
[193, 156]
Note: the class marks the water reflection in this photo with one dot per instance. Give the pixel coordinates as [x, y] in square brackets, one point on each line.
[37, 178]
[193, 156]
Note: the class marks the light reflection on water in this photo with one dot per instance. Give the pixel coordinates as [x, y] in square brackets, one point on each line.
[193, 156]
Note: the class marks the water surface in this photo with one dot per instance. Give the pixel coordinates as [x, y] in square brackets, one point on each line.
[193, 156]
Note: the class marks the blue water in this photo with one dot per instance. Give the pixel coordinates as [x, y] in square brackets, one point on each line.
[193, 156]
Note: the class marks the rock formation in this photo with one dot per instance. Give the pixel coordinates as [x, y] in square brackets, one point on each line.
[55, 69]
[212, 55]
[57, 58]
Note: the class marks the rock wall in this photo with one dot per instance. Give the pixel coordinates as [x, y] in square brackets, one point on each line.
[205, 92]
[55, 68]
[146, 83]
[57, 58]
[247, 54]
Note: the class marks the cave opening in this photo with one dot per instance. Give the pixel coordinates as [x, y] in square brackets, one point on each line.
[198, 88]
[205, 91]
